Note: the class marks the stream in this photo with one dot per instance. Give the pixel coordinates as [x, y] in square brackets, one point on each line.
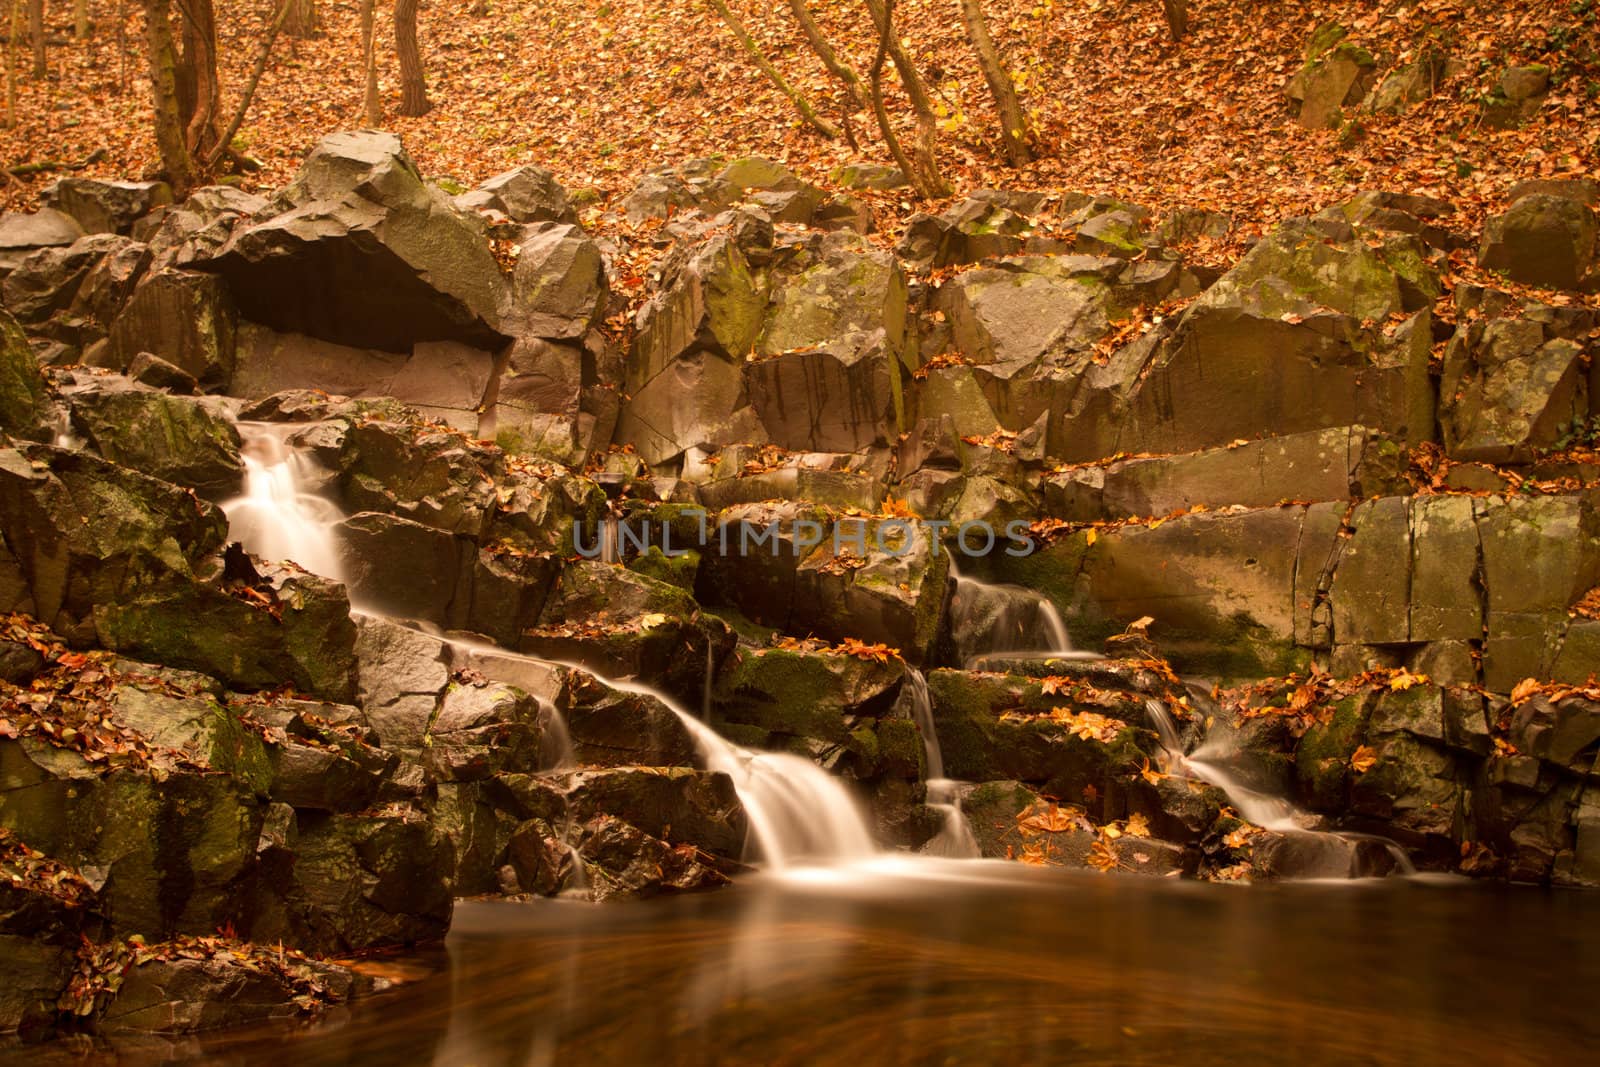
[938, 962]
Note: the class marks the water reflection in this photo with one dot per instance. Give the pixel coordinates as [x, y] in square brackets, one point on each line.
[1001, 965]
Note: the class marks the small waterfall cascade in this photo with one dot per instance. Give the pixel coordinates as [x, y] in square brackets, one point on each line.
[63, 435]
[997, 621]
[1264, 810]
[799, 813]
[954, 839]
[276, 518]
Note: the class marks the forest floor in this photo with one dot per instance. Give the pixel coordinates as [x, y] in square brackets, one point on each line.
[600, 92]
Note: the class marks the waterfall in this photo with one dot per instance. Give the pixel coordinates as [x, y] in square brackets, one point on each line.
[797, 811]
[1262, 809]
[997, 621]
[276, 518]
[954, 839]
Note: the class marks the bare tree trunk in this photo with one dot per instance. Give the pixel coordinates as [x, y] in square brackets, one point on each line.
[262, 54]
[80, 19]
[170, 137]
[1013, 122]
[302, 21]
[199, 88]
[1177, 12]
[413, 87]
[890, 138]
[830, 58]
[753, 50]
[36, 30]
[925, 153]
[371, 105]
[13, 37]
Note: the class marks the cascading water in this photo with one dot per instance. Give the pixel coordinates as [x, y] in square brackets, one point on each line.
[276, 518]
[996, 621]
[954, 839]
[1262, 809]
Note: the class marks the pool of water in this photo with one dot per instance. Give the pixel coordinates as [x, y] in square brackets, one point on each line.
[975, 963]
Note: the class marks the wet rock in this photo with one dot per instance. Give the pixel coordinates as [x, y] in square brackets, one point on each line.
[746, 475]
[90, 534]
[815, 701]
[614, 728]
[187, 319]
[891, 591]
[364, 253]
[670, 654]
[403, 674]
[171, 851]
[1542, 240]
[355, 882]
[433, 477]
[1276, 856]
[187, 442]
[526, 194]
[677, 805]
[623, 861]
[180, 995]
[412, 571]
[21, 234]
[33, 976]
[24, 397]
[996, 728]
[105, 206]
[1407, 213]
[157, 373]
[295, 630]
[483, 730]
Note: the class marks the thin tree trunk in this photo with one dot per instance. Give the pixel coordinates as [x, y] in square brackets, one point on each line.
[302, 21]
[830, 58]
[170, 138]
[371, 105]
[198, 75]
[1177, 12]
[1013, 122]
[36, 30]
[890, 138]
[80, 19]
[753, 50]
[262, 54]
[925, 153]
[413, 87]
[15, 29]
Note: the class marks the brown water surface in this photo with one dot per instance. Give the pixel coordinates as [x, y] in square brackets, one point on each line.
[975, 964]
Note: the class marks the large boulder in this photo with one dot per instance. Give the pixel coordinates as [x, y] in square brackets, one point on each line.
[101, 206]
[1337, 74]
[46, 283]
[187, 319]
[184, 440]
[1306, 332]
[1542, 239]
[21, 234]
[684, 379]
[1513, 385]
[526, 194]
[558, 290]
[89, 535]
[364, 253]
[24, 397]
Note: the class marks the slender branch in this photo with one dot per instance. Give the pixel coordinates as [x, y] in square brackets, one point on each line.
[807, 112]
[928, 181]
[221, 147]
[879, 111]
[824, 50]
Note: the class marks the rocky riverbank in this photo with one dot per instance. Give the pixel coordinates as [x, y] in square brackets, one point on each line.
[1329, 508]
